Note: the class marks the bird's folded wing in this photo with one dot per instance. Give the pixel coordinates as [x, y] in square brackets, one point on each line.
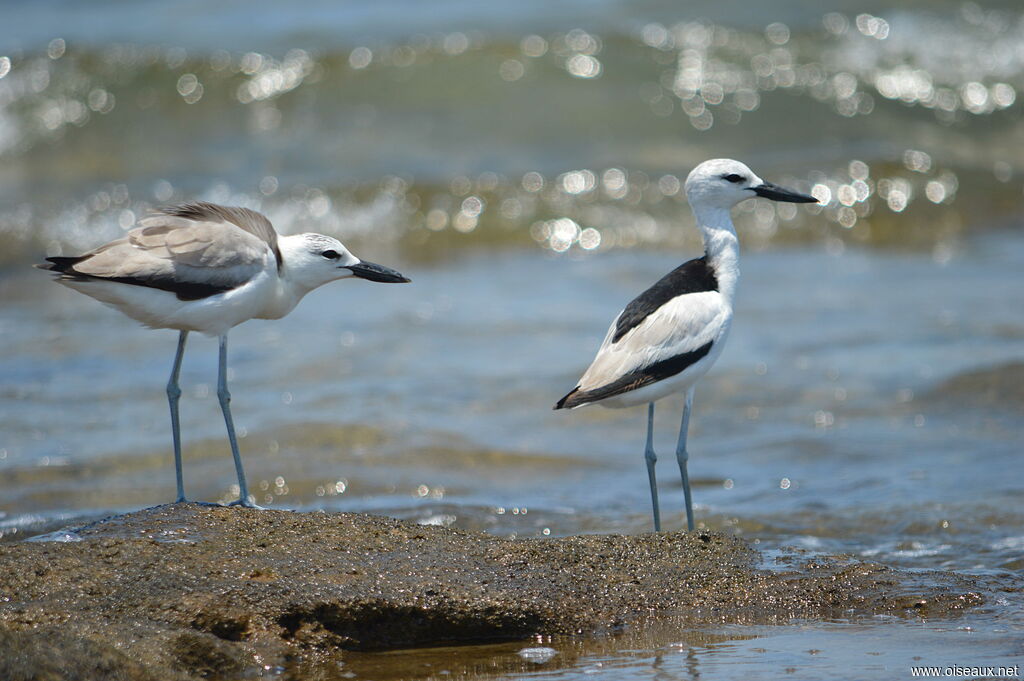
[202, 212]
[684, 324]
[167, 248]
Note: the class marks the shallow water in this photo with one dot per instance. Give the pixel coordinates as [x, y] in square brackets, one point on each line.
[525, 175]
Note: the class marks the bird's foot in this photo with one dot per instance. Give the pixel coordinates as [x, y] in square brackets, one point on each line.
[183, 500]
[245, 503]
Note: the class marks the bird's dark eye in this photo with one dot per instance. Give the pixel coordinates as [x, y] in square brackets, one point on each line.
[732, 177]
[331, 255]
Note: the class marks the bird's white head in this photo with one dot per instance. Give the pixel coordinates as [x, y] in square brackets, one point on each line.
[312, 260]
[721, 183]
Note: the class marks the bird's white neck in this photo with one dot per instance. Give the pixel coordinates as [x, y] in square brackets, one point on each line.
[283, 296]
[721, 246]
[288, 287]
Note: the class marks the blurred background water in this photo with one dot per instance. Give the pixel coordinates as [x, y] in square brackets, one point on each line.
[522, 162]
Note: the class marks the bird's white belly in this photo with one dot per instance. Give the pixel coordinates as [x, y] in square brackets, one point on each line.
[161, 309]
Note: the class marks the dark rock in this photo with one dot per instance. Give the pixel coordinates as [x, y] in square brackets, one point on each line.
[190, 591]
[51, 655]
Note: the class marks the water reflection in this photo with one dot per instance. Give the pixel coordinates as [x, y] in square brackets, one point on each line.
[710, 75]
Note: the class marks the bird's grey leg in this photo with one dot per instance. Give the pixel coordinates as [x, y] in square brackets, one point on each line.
[173, 395]
[651, 460]
[225, 406]
[682, 456]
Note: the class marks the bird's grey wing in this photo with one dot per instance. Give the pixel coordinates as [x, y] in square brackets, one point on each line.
[683, 325]
[248, 220]
[191, 258]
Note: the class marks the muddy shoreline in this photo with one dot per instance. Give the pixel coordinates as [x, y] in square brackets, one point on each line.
[188, 591]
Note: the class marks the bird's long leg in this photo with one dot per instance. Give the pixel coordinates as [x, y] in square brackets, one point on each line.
[173, 395]
[682, 456]
[652, 459]
[225, 406]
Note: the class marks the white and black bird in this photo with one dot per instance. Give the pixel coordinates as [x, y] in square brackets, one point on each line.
[669, 336]
[207, 268]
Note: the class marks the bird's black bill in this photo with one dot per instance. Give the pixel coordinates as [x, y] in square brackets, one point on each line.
[777, 193]
[375, 272]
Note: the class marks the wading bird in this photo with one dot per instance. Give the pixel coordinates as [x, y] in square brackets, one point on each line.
[207, 268]
[669, 336]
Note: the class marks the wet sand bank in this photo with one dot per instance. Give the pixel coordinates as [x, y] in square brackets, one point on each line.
[186, 591]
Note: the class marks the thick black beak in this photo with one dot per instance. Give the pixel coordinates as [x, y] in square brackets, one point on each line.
[777, 193]
[374, 272]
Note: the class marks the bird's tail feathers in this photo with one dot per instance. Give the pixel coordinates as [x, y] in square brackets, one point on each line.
[61, 264]
[574, 399]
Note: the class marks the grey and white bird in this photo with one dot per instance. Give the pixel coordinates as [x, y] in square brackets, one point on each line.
[668, 337]
[208, 268]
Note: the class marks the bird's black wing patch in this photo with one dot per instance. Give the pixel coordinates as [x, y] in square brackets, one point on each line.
[652, 373]
[694, 276]
[184, 290]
